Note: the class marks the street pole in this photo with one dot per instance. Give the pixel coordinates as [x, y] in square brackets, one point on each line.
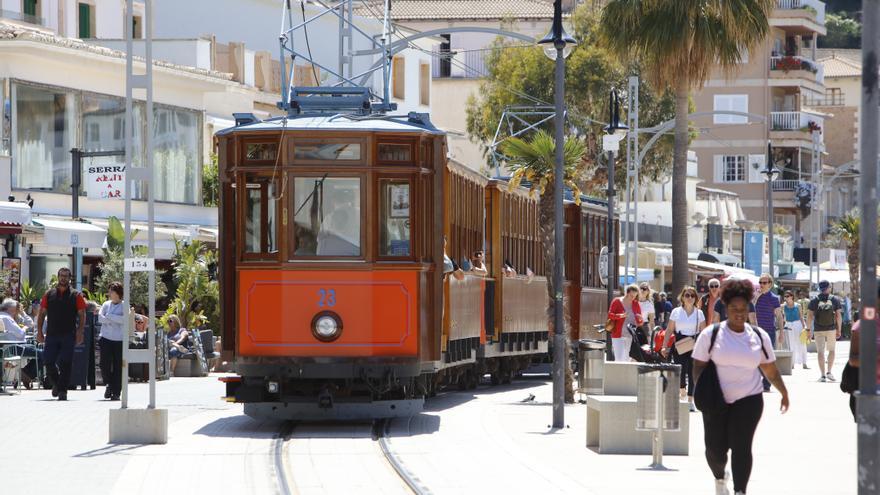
[612, 257]
[559, 354]
[75, 183]
[633, 118]
[770, 206]
[868, 402]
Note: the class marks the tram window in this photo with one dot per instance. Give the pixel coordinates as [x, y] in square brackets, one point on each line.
[394, 235]
[324, 151]
[261, 152]
[260, 217]
[395, 152]
[327, 216]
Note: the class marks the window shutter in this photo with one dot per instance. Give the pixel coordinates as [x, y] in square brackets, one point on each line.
[719, 169]
[85, 18]
[757, 163]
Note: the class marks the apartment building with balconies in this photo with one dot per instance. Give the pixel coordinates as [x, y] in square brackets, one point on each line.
[771, 85]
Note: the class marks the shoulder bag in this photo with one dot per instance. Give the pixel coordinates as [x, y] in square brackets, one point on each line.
[849, 380]
[708, 396]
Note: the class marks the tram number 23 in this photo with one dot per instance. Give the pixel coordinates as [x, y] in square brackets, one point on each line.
[326, 298]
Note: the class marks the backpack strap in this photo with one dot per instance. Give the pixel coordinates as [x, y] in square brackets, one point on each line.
[715, 328]
[760, 331]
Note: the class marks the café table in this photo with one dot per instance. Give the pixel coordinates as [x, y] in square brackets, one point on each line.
[4, 343]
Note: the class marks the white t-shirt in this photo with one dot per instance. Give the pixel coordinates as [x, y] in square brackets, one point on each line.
[687, 324]
[647, 308]
[737, 357]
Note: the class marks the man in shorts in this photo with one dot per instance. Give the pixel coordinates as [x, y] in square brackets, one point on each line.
[825, 321]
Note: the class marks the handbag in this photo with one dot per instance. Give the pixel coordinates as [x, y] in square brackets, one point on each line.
[805, 336]
[684, 345]
[610, 325]
[849, 380]
[708, 396]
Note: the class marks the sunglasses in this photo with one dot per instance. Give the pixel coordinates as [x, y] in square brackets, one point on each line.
[714, 286]
[644, 289]
[690, 296]
[765, 282]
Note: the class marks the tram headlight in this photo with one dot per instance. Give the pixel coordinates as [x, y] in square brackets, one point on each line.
[326, 326]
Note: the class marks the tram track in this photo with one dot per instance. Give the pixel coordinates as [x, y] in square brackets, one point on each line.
[303, 454]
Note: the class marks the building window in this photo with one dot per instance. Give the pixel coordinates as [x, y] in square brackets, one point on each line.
[424, 84]
[398, 77]
[30, 7]
[730, 168]
[731, 103]
[833, 97]
[444, 59]
[136, 27]
[86, 21]
[45, 131]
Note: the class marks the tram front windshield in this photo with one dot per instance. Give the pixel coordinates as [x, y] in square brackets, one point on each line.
[327, 216]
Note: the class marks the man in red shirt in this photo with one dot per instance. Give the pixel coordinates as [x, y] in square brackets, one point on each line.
[66, 310]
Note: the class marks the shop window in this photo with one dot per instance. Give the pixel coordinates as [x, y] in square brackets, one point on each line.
[394, 223]
[45, 131]
[327, 216]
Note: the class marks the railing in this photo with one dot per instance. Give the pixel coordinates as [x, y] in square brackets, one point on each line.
[784, 185]
[798, 62]
[468, 64]
[836, 99]
[817, 6]
[794, 121]
[18, 16]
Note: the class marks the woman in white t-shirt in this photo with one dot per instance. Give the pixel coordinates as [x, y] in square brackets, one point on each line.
[685, 322]
[741, 353]
[646, 304]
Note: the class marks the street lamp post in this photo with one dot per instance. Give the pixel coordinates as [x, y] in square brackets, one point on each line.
[771, 173]
[557, 45]
[611, 144]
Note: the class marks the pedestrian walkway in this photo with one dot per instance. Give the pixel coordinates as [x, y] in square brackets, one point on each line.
[484, 441]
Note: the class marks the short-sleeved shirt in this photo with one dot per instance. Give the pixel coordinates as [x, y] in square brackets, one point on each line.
[737, 356]
[80, 301]
[721, 309]
[814, 307]
[687, 324]
[647, 309]
[765, 311]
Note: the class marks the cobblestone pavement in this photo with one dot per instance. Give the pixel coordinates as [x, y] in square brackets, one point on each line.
[483, 441]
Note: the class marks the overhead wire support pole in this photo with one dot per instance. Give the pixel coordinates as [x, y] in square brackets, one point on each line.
[868, 402]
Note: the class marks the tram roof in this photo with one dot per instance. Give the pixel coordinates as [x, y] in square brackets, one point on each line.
[341, 122]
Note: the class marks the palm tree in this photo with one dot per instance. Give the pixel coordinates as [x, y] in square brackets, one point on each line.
[534, 161]
[847, 230]
[680, 42]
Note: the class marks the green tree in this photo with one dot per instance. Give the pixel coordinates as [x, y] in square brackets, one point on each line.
[843, 32]
[680, 43]
[211, 182]
[534, 161]
[112, 267]
[192, 266]
[515, 73]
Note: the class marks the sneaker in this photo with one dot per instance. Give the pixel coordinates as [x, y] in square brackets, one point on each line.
[62, 396]
[54, 390]
[114, 398]
[822, 378]
[107, 393]
[829, 376]
[721, 487]
[806, 367]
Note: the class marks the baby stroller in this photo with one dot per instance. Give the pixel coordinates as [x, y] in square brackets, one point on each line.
[640, 349]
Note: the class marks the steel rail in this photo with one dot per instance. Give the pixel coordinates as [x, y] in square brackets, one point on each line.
[380, 435]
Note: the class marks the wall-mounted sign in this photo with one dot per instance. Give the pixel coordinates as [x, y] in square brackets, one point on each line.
[753, 251]
[105, 181]
[603, 265]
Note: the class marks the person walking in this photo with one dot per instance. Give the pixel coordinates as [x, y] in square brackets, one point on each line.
[824, 318]
[720, 312]
[667, 308]
[112, 317]
[794, 326]
[624, 310]
[685, 323]
[65, 309]
[740, 353]
[854, 360]
[707, 302]
[646, 303]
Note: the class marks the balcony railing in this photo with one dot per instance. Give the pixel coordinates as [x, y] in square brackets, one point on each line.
[467, 64]
[817, 7]
[18, 16]
[794, 121]
[797, 62]
[784, 185]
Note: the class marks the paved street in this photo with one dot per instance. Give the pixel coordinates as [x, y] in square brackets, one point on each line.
[485, 441]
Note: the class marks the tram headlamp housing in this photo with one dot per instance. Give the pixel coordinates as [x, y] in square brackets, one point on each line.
[326, 326]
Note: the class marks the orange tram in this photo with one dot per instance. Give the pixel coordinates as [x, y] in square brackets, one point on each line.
[335, 303]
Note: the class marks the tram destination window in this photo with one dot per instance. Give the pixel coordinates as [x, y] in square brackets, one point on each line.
[327, 216]
[326, 151]
[394, 224]
[395, 152]
[260, 219]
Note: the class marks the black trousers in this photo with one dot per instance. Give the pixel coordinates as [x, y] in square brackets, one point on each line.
[111, 365]
[58, 355]
[733, 430]
[687, 371]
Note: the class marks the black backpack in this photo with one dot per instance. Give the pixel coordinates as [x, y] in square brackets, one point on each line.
[708, 396]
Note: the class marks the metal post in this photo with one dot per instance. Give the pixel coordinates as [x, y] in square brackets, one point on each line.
[612, 257]
[769, 173]
[868, 405]
[657, 445]
[559, 354]
[75, 183]
[633, 115]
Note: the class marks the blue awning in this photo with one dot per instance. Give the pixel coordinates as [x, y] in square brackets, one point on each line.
[642, 275]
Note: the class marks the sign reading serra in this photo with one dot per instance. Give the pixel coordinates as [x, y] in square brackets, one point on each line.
[105, 181]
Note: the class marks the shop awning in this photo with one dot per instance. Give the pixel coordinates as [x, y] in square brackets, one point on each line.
[708, 268]
[71, 233]
[722, 259]
[13, 216]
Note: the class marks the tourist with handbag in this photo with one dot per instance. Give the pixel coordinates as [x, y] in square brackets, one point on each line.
[794, 327]
[728, 361]
[624, 310]
[685, 323]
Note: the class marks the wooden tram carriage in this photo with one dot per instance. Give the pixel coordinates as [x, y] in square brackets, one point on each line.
[334, 301]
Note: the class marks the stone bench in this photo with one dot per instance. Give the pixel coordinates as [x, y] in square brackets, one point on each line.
[621, 378]
[611, 428]
[783, 362]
